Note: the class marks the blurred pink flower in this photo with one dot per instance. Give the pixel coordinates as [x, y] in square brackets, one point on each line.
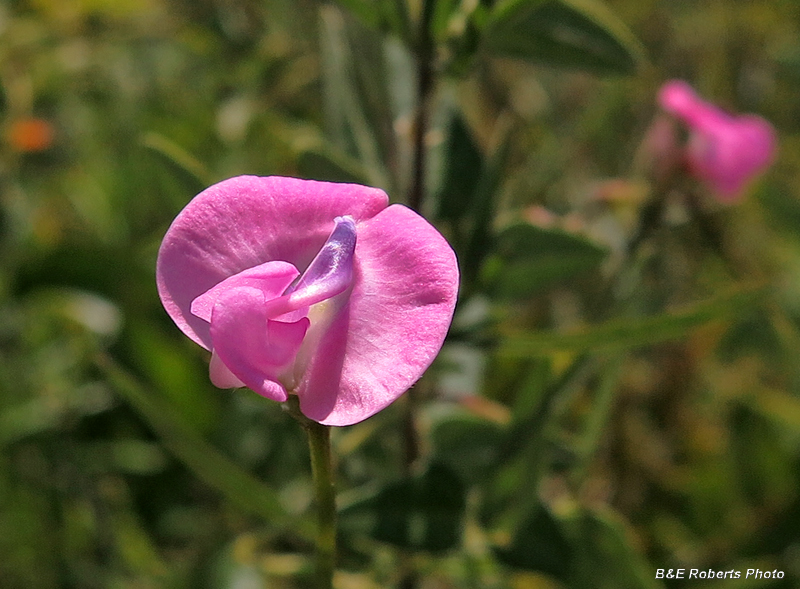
[725, 151]
[312, 288]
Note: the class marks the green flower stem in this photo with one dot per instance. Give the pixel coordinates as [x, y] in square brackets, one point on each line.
[319, 445]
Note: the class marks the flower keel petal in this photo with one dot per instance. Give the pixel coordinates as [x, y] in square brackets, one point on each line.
[329, 274]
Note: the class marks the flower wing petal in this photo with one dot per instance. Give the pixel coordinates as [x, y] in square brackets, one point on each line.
[254, 348]
[243, 222]
[402, 301]
[220, 375]
[271, 278]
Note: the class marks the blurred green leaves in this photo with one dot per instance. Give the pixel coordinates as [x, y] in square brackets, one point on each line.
[356, 112]
[389, 16]
[205, 461]
[468, 445]
[581, 34]
[326, 163]
[540, 545]
[529, 259]
[462, 171]
[178, 157]
[420, 513]
[580, 548]
[605, 554]
[633, 332]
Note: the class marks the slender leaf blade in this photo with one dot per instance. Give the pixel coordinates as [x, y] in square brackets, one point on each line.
[582, 34]
[202, 458]
[630, 332]
[531, 259]
[178, 157]
[324, 163]
[605, 557]
[462, 171]
[485, 203]
[363, 10]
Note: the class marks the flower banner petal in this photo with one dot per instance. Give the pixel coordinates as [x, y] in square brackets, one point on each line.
[242, 222]
[398, 314]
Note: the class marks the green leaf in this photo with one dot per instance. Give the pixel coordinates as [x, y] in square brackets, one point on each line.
[384, 15]
[168, 365]
[462, 170]
[442, 13]
[765, 465]
[597, 418]
[29, 547]
[582, 34]
[43, 414]
[205, 461]
[582, 549]
[631, 332]
[605, 558]
[421, 513]
[363, 10]
[486, 194]
[324, 163]
[178, 157]
[136, 548]
[126, 455]
[539, 545]
[357, 108]
[468, 445]
[779, 406]
[782, 206]
[532, 259]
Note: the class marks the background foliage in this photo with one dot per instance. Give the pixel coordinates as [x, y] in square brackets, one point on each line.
[600, 410]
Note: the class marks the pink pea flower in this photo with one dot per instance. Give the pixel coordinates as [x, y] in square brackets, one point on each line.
[312, 288]
[725, 151]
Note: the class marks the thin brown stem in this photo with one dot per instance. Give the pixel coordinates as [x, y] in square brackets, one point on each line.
[416, 200]
[425, 87]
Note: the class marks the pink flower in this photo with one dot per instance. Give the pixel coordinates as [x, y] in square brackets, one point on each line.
[314, 288]
[725, 151]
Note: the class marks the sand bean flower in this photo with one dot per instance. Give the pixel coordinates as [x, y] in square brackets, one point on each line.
[727, 152]
[310, 288]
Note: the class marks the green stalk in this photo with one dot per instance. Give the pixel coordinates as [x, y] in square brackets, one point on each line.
[319, 446]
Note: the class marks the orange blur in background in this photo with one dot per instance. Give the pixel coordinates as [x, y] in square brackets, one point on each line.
[30, 135]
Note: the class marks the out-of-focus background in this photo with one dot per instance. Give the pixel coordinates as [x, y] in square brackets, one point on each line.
[600, 412]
